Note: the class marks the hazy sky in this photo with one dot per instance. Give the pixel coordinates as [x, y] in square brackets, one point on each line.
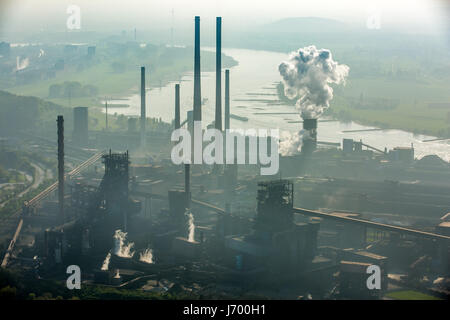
[111, 15]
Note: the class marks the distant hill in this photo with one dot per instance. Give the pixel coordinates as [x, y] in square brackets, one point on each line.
[19, 113]
[307, 25]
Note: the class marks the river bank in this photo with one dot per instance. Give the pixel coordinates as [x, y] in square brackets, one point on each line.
[253, 89]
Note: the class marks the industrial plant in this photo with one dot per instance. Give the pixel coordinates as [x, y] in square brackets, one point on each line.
[131, 219]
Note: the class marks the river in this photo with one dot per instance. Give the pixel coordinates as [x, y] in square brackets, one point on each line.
[252, 90]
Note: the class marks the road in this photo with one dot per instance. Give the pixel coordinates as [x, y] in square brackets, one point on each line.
[38, 178]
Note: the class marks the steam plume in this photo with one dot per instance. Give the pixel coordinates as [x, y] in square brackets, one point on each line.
[105, 264]
[307, 76]
[191, 226]
[146, 256]
[291, 143]
[22, 64]
[120, 248]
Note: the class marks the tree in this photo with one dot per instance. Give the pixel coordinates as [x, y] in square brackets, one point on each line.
[8, 293]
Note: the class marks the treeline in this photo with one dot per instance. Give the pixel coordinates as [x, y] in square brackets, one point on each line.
[30, 114]
[72, 89]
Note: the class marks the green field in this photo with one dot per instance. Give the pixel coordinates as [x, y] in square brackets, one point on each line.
[410, 295]
[162, 65]
[409, 102]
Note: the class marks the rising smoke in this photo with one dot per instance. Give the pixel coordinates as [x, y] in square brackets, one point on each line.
[122, 247]
[307, 76]
[22, 64]
[146, 256]
[105, 265]
[291, 143]
[191, 226]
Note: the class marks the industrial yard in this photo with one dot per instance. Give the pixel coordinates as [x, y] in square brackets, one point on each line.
[111, 201]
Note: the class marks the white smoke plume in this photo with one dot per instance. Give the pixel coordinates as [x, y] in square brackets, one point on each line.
[291, 143]
[307, 76]
[191, 226]
[146, 256]
[105, 265]
[121, 247]
[22, 64]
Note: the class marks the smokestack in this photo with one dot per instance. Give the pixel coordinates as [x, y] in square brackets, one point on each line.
[187, 184]
[218, 120]
[227, 99]
[60, 122]
[197, 84]
[177, 106]
[143, 115]
[310, 140]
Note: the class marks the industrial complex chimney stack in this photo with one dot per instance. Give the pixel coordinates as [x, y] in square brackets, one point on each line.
[227, 99]
[81, 126]
[310, 142]
[143, 111]
[197, 84]
[60, 122]
[187, 184]
[218, 119]
[177, 106]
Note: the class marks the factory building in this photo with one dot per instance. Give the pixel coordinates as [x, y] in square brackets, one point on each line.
[80, 135]
[277, 243]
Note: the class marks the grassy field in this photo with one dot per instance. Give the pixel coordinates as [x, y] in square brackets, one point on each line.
[409, 104]
[410, 295]
[162, 67]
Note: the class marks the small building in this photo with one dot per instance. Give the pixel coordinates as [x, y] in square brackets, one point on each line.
[347, 145]
[403, 154]
[80, 126]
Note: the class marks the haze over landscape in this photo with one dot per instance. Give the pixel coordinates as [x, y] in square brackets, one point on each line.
[355, 99]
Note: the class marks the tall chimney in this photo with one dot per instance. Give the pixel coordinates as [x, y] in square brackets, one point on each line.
[218, 119]
[177, 106]
[187, 184]
[143, 115]
[60, 122]
[197, 84]
[310, 142]
[227, 99]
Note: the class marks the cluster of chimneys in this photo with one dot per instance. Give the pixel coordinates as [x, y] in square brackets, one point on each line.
[197, 106]
[197, 112]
